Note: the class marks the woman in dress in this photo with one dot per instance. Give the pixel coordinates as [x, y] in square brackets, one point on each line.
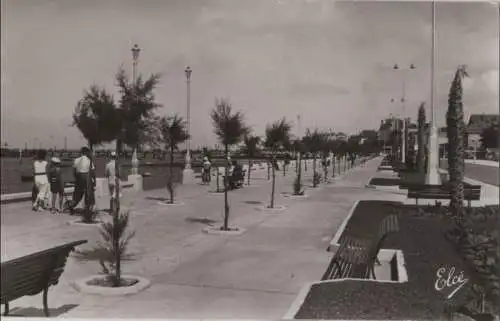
[41, 180]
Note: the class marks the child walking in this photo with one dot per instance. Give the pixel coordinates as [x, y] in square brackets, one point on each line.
[56, 185]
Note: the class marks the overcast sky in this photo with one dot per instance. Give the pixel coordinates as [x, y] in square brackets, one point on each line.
[330, 61]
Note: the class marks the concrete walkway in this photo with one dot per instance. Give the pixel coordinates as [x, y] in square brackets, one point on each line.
[195, 275]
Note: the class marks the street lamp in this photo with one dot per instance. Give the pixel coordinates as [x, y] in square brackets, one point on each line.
[403, 101]
[188, 175]
[135, 59]
[433, 159]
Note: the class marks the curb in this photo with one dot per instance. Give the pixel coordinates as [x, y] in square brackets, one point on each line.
[217, 231]
[275, 209]
[334, 243]
[81, 286]
[175, 203]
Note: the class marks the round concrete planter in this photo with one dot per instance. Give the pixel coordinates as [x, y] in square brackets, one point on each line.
[275, 209]
[218, 231]
[78, 222]
[82, 285]
[295, 197]
[175, 203]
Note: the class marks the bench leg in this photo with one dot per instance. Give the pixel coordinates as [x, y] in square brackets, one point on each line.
[45, 306]
[6, 311]
[469, 203]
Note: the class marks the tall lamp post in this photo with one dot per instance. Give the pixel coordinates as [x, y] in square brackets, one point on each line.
[403, 105]
[135, 60]
[188, 174]
[432, 176]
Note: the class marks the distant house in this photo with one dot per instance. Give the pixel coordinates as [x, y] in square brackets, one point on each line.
[477, 123]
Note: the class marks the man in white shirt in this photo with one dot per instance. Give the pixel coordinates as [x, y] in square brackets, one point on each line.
[110, 174]
[83, 168]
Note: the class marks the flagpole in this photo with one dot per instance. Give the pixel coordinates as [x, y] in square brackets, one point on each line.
[432, 176]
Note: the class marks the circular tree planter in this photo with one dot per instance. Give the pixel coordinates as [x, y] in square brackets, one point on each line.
[220, 231]
[275, 209]
[97, 284]
[79, 222]
[167, 203]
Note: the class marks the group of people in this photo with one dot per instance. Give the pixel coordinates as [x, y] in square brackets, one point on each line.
[48, 179]
[236, 173]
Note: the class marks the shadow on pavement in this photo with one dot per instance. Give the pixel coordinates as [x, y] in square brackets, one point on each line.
[38, 312]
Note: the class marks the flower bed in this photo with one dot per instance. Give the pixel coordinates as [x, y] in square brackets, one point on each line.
[426, 249]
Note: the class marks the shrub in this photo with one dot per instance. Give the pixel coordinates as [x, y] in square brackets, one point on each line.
[480, 246]
[105, 252]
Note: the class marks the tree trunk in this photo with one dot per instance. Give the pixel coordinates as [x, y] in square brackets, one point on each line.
[314, 170]
[269, 170]
[333, 165]
[170, 179]
[273, 185]
[305, 164]
[116, 230]
[299, 172]
[226, 178]
[249, 170]
[284, 168]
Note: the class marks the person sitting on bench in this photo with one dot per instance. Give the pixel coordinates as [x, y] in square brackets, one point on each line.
[236, 177]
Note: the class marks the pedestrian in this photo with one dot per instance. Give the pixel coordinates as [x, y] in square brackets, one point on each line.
[110, 173]
[41, 181]
[56, 184]
[206, 170]
[82, 167]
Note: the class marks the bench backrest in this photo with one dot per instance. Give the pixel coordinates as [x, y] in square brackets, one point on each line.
[471, 192]
[388, 225]
[31, 274]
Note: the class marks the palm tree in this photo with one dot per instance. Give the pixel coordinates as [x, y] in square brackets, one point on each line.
[277, 136]
[230, 129]
[252, 148]
[173, 132]
[421, 140]
[455, 132]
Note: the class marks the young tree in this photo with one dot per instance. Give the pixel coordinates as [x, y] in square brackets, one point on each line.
[299, 148]
[92, 116]
[421, 139]
[230, 129]
[277, 136]
[315, 140]
[455, 132]
[251, 148]
[173, 132]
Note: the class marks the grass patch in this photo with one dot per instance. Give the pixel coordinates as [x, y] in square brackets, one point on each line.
[426, 249]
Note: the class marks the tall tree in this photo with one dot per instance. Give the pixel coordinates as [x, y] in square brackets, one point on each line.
[421, 139]
[173, 132]
[277, 136]
[251, 149]
[230, 129]
[455, 132]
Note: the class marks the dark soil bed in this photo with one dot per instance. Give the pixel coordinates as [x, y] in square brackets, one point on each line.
[379, 181]
[106, 282]
[425, 250]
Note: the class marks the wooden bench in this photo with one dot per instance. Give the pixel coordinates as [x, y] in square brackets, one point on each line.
[425, 191]
[356, 257]
[34, 273]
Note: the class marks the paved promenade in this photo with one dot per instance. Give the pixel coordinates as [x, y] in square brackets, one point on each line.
[196, 275]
